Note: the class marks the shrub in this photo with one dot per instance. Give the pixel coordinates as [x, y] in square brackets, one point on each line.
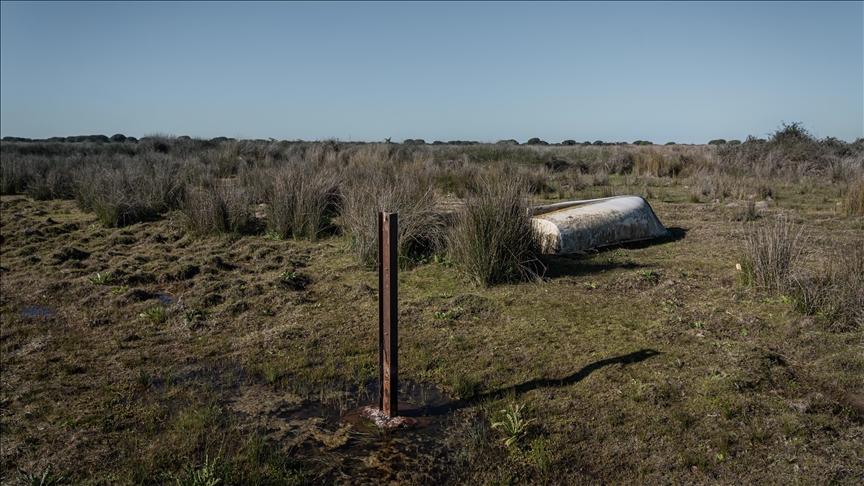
[718, 141]
[568, 143]
[536, 141]
[493, 239]
[773, 250]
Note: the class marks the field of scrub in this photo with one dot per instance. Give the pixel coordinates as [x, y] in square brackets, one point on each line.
[175, 311]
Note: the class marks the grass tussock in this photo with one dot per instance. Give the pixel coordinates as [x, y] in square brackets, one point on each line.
[421, 226]
[226, 208]
[852, 203]
[492, 239]
[836, 289]
[301, 201]
[772, 251]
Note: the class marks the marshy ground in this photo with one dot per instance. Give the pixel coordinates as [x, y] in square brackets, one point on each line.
[149, 353]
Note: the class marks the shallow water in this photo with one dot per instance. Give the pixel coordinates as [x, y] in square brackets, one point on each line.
[37, 311]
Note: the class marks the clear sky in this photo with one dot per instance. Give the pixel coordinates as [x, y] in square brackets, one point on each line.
[687, 72]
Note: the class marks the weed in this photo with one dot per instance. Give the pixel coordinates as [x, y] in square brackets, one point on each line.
[101, 279]
[120, 290]
[443, 261]
[192, 315]
[143, 379]
[513, 425]
[154, 314]
[45, 479]
[648, 275]
[207, 475]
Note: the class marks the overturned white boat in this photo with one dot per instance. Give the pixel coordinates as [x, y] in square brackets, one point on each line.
[576, 226]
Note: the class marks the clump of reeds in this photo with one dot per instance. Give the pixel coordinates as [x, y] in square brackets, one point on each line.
[420, 224]
[301, 200]
[772, 251]
[493, 239]
[835, 289]
[219, 207]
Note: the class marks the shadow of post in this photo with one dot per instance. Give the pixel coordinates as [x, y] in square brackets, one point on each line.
[627, 359]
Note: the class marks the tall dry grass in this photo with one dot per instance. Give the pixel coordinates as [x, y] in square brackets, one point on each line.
[773, 249]
[835, 289]
[301, 200]
[369, 191]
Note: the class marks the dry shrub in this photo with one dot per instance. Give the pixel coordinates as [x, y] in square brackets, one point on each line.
[493, 239]
[773, 250]
[421, 226]
[301, 200]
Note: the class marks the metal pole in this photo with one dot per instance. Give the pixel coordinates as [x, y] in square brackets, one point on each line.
[388, 314]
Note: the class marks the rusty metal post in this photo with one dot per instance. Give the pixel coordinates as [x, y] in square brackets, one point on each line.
[388, 314]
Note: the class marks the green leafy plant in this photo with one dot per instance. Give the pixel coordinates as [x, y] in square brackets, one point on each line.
[206, 475]
[443, 261]
[101, 278]
[154, 314]
[45, 479]
[513, 425]
[192, 315]
[648, 275]
[120, 290]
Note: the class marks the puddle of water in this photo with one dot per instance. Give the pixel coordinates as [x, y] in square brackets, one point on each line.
[37, 311]
[353, 444]
[166, 299]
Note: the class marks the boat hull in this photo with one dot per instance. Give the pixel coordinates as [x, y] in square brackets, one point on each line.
[578, 226]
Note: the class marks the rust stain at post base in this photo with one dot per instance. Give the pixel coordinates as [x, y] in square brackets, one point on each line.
[388, 314]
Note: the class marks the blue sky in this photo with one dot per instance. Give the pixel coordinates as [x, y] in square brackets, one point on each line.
[686, 72]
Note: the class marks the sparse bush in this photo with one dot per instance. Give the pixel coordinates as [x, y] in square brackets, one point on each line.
[493, 239]
[773, 250]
